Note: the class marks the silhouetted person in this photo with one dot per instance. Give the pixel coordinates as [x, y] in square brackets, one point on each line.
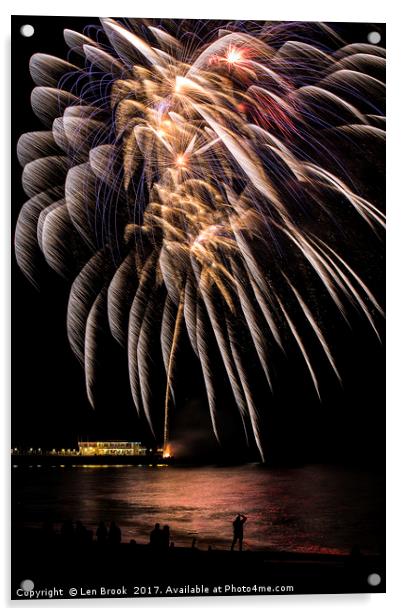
[165, 537]
[155, 537]
[114, 533]
[101, 533]
[238, 524]
[81, 533]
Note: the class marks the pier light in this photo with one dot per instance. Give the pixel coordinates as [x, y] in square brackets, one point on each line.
[110, 448]
[167, 453]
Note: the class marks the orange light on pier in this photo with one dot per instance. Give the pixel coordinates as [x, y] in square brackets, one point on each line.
[167, 452]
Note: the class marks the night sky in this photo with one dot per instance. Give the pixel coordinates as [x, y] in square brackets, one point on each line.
[50, 408]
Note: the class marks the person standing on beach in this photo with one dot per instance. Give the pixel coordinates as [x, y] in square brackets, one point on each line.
[238, 524]
[155, 537]
[165, 537]
[101, 533]
[114, 533]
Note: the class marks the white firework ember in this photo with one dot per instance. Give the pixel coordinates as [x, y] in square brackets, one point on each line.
[191, 189]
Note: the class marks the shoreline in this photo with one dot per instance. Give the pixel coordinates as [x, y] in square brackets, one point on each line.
[49, 460]
[50, 561]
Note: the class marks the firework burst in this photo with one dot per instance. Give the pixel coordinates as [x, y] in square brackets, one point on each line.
[189, 186]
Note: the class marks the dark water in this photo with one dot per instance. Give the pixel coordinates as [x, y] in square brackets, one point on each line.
[312, 508]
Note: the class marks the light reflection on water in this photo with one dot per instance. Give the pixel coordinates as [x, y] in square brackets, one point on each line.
[312, 508]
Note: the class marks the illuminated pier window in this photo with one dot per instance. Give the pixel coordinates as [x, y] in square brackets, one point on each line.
[111, 448]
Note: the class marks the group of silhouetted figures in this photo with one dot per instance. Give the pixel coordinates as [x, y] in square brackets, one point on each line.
[111, 534]
[107, 540]
[159, 538]
[79, 534]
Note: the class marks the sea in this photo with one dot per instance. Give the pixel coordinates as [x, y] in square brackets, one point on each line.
[317, 509]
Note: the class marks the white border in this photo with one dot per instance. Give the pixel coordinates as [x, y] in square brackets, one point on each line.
[314, 10]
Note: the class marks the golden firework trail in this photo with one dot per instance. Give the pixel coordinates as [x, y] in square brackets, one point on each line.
[194, 186]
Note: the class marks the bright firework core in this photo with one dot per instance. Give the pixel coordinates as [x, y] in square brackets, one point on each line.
[234, 55]
[181, 160]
